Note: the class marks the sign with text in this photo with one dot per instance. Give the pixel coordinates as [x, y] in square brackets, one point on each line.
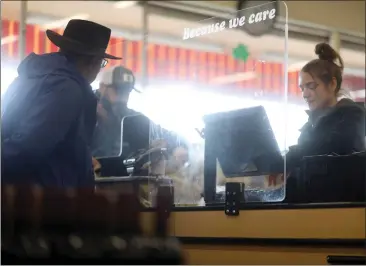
[204, 83]
[256, 21]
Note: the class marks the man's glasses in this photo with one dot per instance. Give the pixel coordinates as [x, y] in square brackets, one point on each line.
[104, 63]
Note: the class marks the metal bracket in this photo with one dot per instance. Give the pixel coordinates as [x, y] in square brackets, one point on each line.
[234, 195]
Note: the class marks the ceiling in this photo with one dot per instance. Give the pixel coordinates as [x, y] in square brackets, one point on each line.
[345, 16]
[130, 18]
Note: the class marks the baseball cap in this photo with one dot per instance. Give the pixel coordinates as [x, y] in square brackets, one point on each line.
[118, 76]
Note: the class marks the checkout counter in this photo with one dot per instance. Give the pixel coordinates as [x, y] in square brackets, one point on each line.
[324, 225]
[273, 234]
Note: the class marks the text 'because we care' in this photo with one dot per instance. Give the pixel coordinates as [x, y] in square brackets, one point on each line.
[233, 23]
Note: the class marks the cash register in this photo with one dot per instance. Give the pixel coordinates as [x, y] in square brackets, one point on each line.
[134, 138]
[133, 168]
[142, 141]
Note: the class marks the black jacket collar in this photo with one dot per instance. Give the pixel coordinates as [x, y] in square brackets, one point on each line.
[315, 117]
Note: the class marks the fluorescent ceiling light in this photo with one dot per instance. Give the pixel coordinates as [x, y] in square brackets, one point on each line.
[124, 4]
[236, 77]
[9, 39]
[60, 23]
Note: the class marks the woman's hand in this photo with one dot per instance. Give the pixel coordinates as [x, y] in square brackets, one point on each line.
[96, 166]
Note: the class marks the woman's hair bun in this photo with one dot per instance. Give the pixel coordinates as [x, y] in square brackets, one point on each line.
[325, 52]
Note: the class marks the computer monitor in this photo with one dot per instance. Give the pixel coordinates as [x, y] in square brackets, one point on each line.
[242, 141]
[135, 136]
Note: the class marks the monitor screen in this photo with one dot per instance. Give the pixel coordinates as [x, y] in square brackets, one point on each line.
[242, 141]
[135, 134]
[134, 137]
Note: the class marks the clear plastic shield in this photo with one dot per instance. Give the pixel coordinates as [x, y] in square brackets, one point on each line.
[121, 141]
[219, 103]
[111, 109]
[117, 87]
[122, 131]
[218, 107]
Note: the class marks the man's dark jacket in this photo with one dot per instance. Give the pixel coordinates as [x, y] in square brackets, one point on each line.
[107, 136]
[48, 117]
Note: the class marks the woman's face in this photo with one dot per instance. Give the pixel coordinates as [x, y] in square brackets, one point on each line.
[317, 94]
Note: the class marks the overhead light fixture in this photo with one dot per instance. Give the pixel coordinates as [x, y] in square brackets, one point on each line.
[124, 4]
[236, 77]
[61, 23]
[9, 39]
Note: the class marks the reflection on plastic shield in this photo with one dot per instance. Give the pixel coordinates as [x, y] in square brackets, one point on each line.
[115, 86]
[218, 67]
[243, 72]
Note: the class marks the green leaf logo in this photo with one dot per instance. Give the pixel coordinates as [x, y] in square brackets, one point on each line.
[241, 52]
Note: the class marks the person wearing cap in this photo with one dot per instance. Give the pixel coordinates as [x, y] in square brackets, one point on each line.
[49, 111]
[115, 86]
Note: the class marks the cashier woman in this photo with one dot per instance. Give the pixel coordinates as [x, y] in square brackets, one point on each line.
[336, 124]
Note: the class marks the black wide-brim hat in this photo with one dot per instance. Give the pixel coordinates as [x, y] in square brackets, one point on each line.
[83, 37]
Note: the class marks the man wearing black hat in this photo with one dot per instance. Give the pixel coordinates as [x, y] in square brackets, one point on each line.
[49, 111]
[115, 86]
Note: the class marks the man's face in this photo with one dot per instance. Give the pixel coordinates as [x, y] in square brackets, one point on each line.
[118, 94]
[93, 68]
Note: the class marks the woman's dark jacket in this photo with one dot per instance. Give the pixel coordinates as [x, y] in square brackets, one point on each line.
[339, 130]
